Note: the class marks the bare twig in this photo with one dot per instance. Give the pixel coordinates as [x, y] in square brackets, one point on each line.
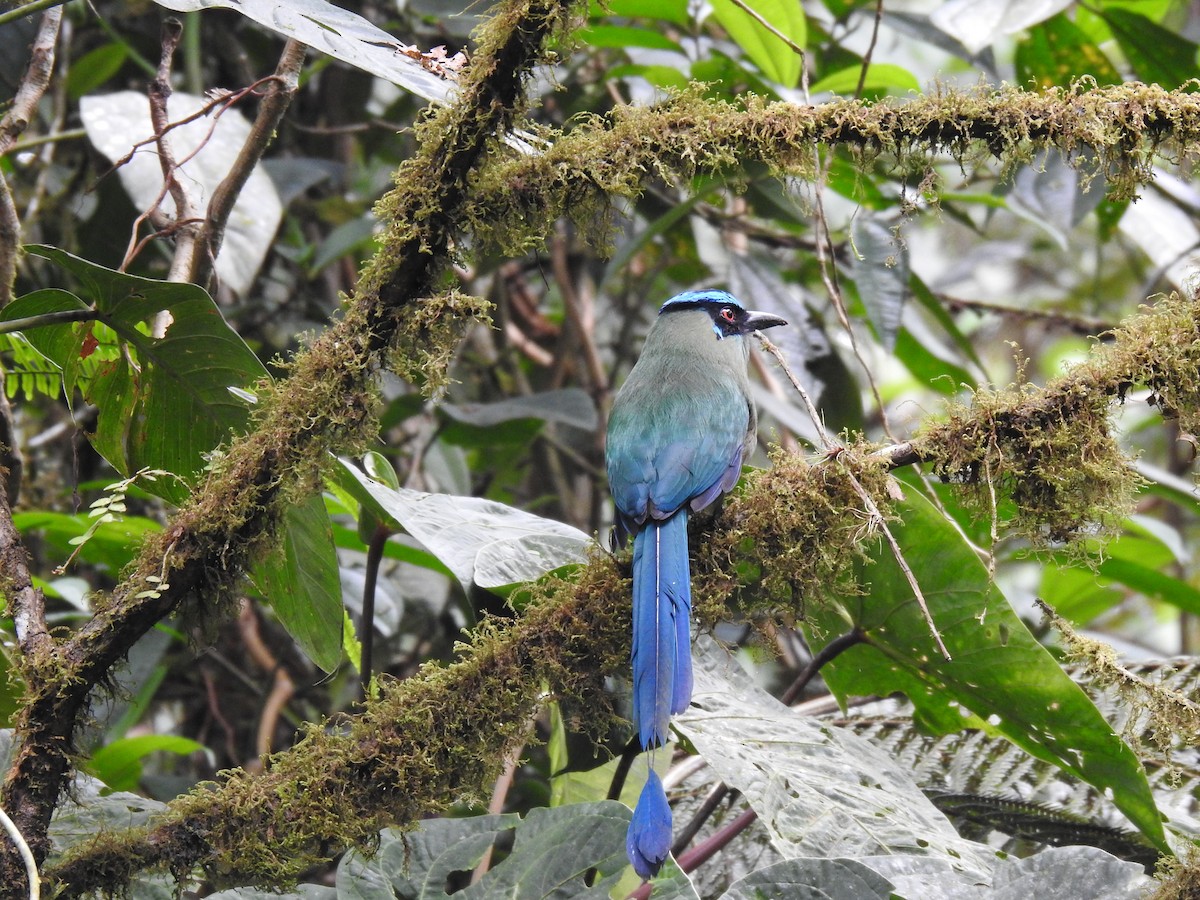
[280, 90]
[187, 215]
[24, 106]
[866, 63]
[757, 17]
[878, 519]
[34, 82]
[830, 651]
[25, 602]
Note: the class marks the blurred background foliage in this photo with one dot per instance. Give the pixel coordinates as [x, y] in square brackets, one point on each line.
[904, 287]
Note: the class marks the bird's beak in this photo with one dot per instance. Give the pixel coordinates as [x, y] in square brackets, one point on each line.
[758, 321]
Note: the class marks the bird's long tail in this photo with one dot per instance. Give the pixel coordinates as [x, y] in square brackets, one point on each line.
[662, 670]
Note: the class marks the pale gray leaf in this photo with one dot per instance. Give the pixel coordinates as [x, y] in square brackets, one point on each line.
[512, 561]
[879, 267]
[339, 33]
[115, 122]
[812, 879]
[820, 790]
[1070, 873]
[301, 892]
[1049, 192]
[455, 529]
[925, 877]
[978, 23]
[569, 406]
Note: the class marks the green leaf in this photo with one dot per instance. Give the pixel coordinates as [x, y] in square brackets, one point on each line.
[626, 36]
[119, 764]
[1058, 51]
[300, 580]
[930, 369]
[670, 10]
[94, 68]
[880, 76]
[774, 57]
[163, 402]
[999, 672]
[113, 544]
[552, 851]
[1158, 55]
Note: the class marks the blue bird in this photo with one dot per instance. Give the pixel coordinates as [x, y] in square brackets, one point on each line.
[680, 427]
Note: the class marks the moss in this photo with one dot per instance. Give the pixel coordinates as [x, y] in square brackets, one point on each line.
[1179, 877]
[1172, 717]
[425, 743]
[1116, 131]
[790, 535]
[1052, 449]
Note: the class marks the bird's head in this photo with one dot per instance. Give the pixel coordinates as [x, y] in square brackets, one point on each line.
[727, 314]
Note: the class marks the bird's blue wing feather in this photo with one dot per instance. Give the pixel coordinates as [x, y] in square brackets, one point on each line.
[676, 449]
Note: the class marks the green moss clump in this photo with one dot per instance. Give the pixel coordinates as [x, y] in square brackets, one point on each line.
[790, 535]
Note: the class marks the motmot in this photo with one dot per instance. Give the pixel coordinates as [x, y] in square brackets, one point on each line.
[680, 428]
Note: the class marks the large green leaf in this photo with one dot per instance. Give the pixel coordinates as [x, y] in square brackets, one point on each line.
[163, 402]
[302, 583]
[1157, 54]
[999, 676]
[774, 57]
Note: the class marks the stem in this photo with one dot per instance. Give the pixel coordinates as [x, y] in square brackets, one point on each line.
[366, 635]
[830, 651]
[41, 320]
[28, 10]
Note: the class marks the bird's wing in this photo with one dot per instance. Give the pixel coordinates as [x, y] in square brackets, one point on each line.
[686, 446]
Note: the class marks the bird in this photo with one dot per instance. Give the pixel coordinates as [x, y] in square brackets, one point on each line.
[679, 430]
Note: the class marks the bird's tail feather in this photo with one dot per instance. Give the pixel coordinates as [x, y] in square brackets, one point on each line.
[662, 648]
[648, 841]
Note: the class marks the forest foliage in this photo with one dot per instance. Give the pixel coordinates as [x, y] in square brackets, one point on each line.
[311, 320]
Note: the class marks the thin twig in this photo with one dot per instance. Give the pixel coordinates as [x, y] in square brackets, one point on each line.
[281, 88]
[24, 106]
[714, 799]
[879, 520]
[28, 9]
[366, 631]
[496, 806]
[185, 209]
[26, 604]
[866, 63]
[809, 406]
[830, 651]
[34, 82]
[31, 872]
[757, 17]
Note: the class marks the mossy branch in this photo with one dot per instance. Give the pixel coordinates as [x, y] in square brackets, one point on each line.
[441, 735]
[1112, 130]
[326, 404]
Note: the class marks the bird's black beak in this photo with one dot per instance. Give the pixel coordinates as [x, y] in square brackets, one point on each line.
[758, 321]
